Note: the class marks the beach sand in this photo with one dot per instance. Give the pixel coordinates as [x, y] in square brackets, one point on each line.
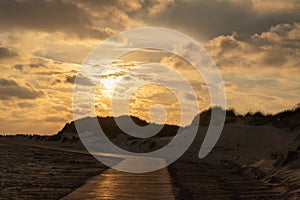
[30, 172]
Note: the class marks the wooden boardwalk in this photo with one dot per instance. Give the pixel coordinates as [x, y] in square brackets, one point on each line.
[113, 184]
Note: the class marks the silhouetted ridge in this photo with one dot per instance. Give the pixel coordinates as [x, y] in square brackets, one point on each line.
[113, 131]
[287, 120]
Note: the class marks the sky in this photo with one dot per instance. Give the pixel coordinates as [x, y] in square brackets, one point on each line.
[255, 45]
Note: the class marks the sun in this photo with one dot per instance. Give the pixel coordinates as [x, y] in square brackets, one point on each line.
[108, 83]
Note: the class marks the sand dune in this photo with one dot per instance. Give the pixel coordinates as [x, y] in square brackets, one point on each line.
[264, 147]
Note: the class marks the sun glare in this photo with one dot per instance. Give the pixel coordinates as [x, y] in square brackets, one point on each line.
[108, 83]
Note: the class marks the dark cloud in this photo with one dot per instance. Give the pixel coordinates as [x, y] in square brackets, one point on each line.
[49, 16]
[6, 53]
[99, 19]
[19, 67]
[79, 80]
[10, 88]
[32, 65]
[208, 19]
[36, 65]
[275, 57]
[82, 18]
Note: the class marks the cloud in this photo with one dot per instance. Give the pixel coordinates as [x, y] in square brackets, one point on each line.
[157, 6]
[191, 97]
[36, 65]
[49, 16]
[18, 67]
[277, 47]
[54, 119]
[176, 62]
[6, 53]
[208, 19]
[275, 5]
[10, 88]
[79, 80]
[25, 104]
[83, 18]
[32, 65]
